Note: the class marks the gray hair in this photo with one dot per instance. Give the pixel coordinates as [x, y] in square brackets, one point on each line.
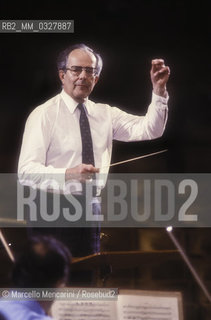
[63, 57]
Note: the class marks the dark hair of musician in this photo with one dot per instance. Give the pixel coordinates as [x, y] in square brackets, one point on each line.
[43, 263]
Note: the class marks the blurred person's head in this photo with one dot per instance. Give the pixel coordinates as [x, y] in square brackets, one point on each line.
[43, 263]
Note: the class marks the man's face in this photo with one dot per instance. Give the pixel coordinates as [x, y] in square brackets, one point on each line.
[79, 86]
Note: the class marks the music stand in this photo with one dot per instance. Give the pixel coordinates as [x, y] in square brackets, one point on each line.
[105, 262]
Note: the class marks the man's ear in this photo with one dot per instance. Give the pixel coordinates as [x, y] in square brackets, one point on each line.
[96, 79]
[61, 75]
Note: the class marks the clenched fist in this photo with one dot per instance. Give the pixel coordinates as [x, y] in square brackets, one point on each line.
[159, 77]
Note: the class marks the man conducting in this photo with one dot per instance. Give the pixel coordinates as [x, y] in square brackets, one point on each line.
[70, 135]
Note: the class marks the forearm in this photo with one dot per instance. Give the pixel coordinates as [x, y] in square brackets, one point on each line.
[127, 127]
[34, 172]
[155, 120]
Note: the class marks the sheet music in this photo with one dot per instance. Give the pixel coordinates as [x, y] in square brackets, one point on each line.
[139, 307]
[83, 310]
[131, 304]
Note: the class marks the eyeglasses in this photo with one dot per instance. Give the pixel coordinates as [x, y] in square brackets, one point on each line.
[76, 70]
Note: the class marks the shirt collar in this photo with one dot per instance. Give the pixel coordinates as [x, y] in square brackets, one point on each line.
[72, 104]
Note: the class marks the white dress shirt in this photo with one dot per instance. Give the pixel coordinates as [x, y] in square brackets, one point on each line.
[52, 141]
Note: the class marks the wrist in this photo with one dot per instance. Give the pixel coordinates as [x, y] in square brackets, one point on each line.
[68, 174]
[160, 92]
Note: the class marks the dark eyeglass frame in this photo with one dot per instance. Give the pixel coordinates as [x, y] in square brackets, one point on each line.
[76, 70]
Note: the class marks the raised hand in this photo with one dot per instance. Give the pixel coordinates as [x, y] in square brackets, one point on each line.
[159, 77]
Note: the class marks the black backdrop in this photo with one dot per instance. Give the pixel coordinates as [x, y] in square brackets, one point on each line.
[128, 34]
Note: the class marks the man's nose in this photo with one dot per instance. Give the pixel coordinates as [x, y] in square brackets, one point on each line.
[83, 74]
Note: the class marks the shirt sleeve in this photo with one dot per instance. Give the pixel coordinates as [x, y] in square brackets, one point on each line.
[127, 127]
[32, 161]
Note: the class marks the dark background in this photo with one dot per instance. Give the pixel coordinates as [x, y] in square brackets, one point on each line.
[128, 34]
